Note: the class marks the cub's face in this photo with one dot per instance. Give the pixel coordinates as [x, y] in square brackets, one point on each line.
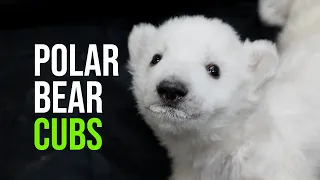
[190, 70]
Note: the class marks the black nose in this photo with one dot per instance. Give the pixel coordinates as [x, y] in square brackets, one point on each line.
[171, 90]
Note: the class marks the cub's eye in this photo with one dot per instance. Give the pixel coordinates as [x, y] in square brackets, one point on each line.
[213, 70]
[155, 59]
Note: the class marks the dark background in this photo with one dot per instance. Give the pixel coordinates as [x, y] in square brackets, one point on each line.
[130, 151]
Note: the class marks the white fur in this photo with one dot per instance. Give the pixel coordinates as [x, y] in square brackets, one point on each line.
[300, 19]
[274, 12]
[239, 127]
[297, 84]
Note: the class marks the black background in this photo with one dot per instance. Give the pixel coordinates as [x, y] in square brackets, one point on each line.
[130, 151]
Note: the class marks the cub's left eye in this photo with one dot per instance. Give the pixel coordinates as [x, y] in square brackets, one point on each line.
[213, 70]
[155, 59]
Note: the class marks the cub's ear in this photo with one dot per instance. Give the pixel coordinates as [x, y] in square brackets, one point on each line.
[139, 39]
[263, 60]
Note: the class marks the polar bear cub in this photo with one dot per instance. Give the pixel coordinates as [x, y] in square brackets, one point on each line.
[209, 98]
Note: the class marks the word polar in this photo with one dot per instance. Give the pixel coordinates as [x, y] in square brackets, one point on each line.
[76, 96]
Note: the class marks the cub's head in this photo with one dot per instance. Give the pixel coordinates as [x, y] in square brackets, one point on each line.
[191, 71]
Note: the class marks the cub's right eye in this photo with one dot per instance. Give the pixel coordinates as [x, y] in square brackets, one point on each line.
[155, 59]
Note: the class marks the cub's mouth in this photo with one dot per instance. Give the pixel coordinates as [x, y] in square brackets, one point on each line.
[170, 112]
